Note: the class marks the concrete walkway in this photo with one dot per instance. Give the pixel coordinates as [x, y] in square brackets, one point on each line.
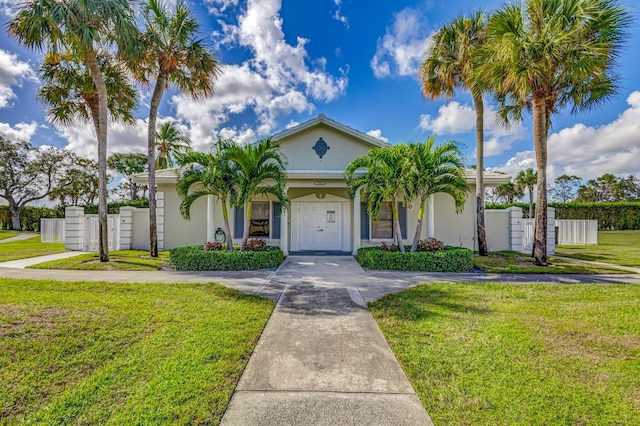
[23, 263]
[19, 237]
[321, 359]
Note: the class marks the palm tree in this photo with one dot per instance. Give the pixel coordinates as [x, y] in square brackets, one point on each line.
[211, 175]
[385, 177]
[509, 192]
[82, 27]
[436, 169]
[544, 55]
[258, 169]
[448, 66]
[527, 179]
[169, 53]
[170, 142]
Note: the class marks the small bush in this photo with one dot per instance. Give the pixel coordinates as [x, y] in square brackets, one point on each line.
[451, 259]
[386, 247]
[430, 244]
[208, 246]
[196, 258]
[256, 244]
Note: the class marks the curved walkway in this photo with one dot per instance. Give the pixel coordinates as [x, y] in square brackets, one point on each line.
[19, 237]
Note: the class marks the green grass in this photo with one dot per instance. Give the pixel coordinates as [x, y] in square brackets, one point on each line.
[104, 353]
[618, 247]
[121, 260]
[7, 234]
[518, 263]
[28, 248]
[491, 354]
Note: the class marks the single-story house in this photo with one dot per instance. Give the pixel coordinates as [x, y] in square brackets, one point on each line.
[321, 216]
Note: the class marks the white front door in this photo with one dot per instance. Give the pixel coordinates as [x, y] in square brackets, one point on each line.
[320, 225]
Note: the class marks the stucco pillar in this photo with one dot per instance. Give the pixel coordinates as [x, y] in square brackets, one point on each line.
[284, 228]
[126, 227]
[356, 222]
[160, 218]
[74, 228]
[515, 228]
[431, 219]
[211, 229]
[551, 231]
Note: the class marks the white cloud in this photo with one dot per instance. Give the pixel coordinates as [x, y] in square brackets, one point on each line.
[19, 132]
[10, 7]
[455, 118]
[291, 124]
[277, 80]
[401, 50]
[13, 72]
[338, 16]
[377, 133]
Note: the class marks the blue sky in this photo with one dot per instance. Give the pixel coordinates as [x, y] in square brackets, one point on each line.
[354, 61]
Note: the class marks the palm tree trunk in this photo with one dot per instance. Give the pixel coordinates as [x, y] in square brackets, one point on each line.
[416, 237]
[247, 225]
[158, 91]
[227, 228]
[482, 233]
[540, 144]
[101, 130]
[396, 225]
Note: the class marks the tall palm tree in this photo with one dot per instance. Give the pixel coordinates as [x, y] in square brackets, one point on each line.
[169, 142]
[436, 169]
[544, 55]
[383, 174]
[448, 67]
[210, 175]
[258, 169]
[82, 27]
[527, 179]
[169, 54]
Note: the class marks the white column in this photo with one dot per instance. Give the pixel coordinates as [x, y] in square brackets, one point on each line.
[74, 228]
[211, 229]
[284, 232]
[551, 231]
[356, 222]
[515, 228]
[160, 218]
[431, 220]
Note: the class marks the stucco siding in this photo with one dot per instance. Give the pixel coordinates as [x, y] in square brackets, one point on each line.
[498, 229]
[455, 229]
[179, 231]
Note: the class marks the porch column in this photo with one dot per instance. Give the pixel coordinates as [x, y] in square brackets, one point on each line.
[431, 222]
[356, 222]
[211, 236]
[284, 229]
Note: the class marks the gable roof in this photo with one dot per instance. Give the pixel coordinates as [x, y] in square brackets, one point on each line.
[323, 119]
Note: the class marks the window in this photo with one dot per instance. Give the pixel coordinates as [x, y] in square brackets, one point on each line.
[260, 214]
[382, 228]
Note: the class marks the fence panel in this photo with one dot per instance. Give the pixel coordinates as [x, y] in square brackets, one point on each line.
[583, 232]
[92, 232]
[52, 230]
[527, 235]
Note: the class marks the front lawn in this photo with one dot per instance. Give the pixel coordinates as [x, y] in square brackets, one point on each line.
[103, 353]
[7, 234]
[508, 262]
[495, 354]
[121, 260]
[618, 247]
[28, 248]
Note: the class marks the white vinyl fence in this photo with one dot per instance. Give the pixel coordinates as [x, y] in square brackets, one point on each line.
[91, 232]
[528, 225]
[52, 230]
[577, 232]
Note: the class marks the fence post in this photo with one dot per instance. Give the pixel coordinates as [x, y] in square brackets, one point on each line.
[126, 227]
[515, 228]
[160, 218]
[74, 228]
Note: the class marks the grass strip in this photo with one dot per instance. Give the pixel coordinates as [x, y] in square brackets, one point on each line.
[518, 263]
[28, 248]
[120, 260]
[617, 247]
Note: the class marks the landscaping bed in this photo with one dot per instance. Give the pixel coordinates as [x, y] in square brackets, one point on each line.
[196, 258]
[451, 259]
[119, 260]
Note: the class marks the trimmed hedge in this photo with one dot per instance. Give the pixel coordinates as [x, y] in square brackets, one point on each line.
[195, 258]
[452, 259]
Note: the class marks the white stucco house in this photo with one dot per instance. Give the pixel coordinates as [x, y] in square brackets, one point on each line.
[321, 216]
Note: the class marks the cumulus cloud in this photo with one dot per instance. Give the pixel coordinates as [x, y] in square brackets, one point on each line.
[401, 50]
[591, 151]
[377, 133]
[338, 16]
[13, 72]
[454, 118]
[279, 78]
[19, 132]
[10, 7]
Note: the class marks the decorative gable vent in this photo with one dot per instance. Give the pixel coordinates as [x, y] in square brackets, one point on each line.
[321, 148]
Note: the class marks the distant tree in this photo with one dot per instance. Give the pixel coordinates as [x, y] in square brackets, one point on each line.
[28, 174]
[128, 165]
[169, 142]
[610, 188]
[527, 179]
[78, 183]
[509, 192]
[565, 188]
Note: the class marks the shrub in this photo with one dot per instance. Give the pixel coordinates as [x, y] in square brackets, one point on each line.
[196, 258]
[451, 259]
[256, 244]
[208, 246]
[386, 247]
[430, 244]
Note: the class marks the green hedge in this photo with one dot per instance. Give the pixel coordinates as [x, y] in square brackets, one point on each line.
[452, 259]
[30, 217]
[194, 258]
[619, 216]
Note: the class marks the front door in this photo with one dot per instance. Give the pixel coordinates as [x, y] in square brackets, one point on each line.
[320, 226]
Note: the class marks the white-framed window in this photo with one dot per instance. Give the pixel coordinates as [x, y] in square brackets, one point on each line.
[381, 229]
[260, 219]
